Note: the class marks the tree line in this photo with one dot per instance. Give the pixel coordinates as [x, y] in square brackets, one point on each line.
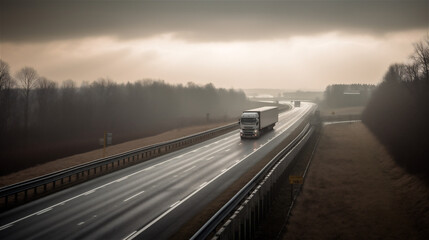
[41, 120]
[348, 95]
[398, 111]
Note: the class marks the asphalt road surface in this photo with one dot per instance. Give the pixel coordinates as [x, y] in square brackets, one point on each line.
[151, 200]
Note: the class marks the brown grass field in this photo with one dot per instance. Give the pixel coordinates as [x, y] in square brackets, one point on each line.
[354, 190]
[327, 111]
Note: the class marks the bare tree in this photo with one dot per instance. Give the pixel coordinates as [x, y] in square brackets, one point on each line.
[45, 89]
[395, 74]
[412, 72]
[27, 79]
[45, 92]
[6, 82]
[6, 85]
[421, 57]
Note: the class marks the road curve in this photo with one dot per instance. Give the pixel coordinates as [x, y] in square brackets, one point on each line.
[150, 200]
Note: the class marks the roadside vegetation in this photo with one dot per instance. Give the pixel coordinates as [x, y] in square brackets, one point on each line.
[355, 190]
[41, 120]
[398, 111]
[347, 95]
[344, 102]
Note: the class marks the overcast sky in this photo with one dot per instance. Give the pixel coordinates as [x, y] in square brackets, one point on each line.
[241, 44]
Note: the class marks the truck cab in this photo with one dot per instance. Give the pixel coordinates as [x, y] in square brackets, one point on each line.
[254, 122]
[249, 125]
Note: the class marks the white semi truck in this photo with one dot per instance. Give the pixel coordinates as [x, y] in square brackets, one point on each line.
[254, 122]
[297, 103]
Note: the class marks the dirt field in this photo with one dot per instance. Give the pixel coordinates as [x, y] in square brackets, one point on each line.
[341, 111]
[77, 159]
[354, 190]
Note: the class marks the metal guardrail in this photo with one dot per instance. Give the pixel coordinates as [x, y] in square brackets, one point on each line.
[341, 117]
[253, 197]
[21, 191]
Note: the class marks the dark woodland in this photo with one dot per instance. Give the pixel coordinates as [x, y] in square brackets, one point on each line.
[41, 120]
[398, 111]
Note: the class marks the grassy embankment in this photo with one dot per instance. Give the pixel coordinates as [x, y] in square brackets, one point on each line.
[355, 190]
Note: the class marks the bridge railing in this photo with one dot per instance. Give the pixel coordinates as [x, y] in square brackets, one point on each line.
[240, 216]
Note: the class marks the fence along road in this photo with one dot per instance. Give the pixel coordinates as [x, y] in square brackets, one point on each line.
[152, 199]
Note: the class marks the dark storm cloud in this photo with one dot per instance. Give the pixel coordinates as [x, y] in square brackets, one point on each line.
[29, 21]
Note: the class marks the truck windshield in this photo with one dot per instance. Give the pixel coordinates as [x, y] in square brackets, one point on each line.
[248, 120]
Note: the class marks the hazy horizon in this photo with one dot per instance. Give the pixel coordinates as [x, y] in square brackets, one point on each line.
[292, 45]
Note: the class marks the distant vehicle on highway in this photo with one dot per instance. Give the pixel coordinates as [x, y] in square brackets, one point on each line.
[254, 122]
[297, 103]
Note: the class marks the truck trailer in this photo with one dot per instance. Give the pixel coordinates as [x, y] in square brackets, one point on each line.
[297, 103]
[254, 122]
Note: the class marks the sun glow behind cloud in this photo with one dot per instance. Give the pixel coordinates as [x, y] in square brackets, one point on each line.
[301, 62]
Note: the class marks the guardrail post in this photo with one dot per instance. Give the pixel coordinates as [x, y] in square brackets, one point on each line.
[252, 215]
[242, 226]
[236, 227]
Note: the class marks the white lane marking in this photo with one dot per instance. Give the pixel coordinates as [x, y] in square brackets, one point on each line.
[148, 168]
[211, 151]
[126, 238]
[80, 223]
[224, 170]
[203, 185]
[121, 179]
[200, 148]
[133, 196]
[72, 198]
[209, 158]
[89, 192]
[175, 204]
[5, 226]
[189, 169]
[136, 233]
[43, 211]
[237, 161]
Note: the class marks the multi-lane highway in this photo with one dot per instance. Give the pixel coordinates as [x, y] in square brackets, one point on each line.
[151, 200]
